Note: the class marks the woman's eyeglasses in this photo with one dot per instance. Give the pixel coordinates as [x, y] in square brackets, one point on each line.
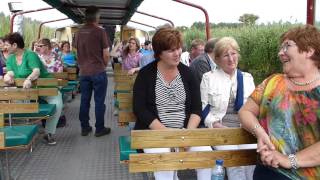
[41, 45]
[285, 46]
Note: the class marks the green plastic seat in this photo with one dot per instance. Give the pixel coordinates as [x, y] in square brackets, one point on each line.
[44, 109]
[67, 89]
[125, 148]
[19, 135]
[73, 83]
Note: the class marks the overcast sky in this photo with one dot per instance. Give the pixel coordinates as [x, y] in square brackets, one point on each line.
[218, 10]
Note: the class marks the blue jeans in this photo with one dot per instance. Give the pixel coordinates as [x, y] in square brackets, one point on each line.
[98, 84]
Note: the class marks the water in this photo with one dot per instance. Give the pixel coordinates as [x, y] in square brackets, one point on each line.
[218, 171]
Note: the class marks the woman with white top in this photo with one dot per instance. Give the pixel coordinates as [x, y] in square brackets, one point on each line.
[223, 92]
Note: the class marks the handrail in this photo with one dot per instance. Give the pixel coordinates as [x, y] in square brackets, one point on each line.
[25, 12]
[203, 10]
[144, 13]
[143, 24]
[40, 27]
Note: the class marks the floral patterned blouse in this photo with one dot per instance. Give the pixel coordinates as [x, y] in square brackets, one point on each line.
[291, 118]
[52, 62]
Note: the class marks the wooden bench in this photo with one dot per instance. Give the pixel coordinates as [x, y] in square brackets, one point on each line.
[66, 86]
[40, 87]
[142, 162]
[18, 137]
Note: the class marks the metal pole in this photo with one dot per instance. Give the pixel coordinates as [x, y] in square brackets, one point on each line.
[140, 12]
[40, 27]
[25, 12]
[310, 11]
[143, 24]
[203, 10]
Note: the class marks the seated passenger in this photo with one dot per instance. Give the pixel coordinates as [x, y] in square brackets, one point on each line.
[49, 58]
[223, 92]
[23, 63]
[147, 54]
[67, 56]
[166, 95]
[131, 56]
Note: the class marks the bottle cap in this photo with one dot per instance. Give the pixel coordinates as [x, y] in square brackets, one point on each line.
[219, 162]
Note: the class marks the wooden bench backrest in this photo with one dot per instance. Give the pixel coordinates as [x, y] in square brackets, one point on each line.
[72, 73]
[62, 78]
[45, 86]
[12, 100]
[186, 138]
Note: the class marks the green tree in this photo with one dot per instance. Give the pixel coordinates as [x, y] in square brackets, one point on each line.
[248, 19]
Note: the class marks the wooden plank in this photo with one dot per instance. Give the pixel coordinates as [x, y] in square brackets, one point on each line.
[39, 82]
[2, 140]
[190, 137]
[189, 160]
[19, 108]
[71, 70]
[123, 87]
[126, 116]
[72, 76]
[1, 120]
[123, 105]
[123, 80]
[62, 82]
[61, 75]
[117, 67]
[48, 91]
[123, 96]
[18, 94]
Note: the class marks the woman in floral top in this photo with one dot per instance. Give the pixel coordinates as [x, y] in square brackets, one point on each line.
[283, 112]
[131, 56]
[49, 58]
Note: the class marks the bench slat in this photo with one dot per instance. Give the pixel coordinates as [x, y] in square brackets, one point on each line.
[189, 160]
[125, 105]
[19, 108]
[18, 94]
[38, 82]
[1, 120]
[61, 75]
[124, 96]
[2, 140]
[190, 137]
[71, 70]
[48, 91]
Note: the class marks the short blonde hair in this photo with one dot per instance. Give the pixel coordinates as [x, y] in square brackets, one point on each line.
[225, 43]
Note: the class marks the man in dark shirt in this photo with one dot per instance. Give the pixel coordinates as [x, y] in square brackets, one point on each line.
[93, 55]
[205, 61]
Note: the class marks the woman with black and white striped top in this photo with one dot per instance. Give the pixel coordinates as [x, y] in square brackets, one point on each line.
[167, 95]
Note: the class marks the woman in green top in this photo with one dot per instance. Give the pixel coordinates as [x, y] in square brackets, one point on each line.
[24, 63]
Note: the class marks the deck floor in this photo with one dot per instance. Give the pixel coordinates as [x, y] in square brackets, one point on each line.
[76, 157]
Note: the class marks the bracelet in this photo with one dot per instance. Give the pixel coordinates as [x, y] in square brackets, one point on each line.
[293, 161]
[253, 130]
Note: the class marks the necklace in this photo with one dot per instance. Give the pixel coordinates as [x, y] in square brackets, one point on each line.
[304, 83]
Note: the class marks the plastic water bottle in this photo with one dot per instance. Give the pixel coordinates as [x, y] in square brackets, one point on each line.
[218, 171]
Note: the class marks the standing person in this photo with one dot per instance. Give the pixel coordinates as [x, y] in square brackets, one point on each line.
[93, 55]
[283, 111]
[131, 56]
[166, 95]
